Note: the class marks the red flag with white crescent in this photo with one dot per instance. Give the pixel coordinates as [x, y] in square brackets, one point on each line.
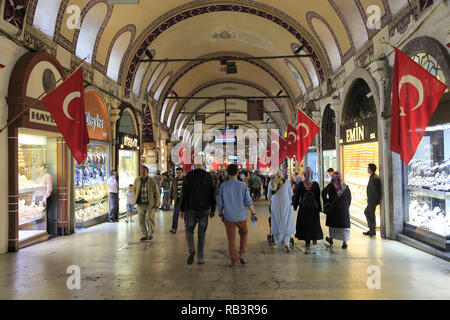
[278, 149]
[415, 97]
[66, 104]
[306, 132]
[291, 142]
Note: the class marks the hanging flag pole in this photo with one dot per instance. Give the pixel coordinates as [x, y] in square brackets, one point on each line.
[38, 99]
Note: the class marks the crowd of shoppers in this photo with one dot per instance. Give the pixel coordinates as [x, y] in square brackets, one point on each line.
[195, 194]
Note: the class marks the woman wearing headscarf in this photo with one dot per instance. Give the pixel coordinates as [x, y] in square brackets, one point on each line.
[336, 201]
[282, 218]
[307, 200]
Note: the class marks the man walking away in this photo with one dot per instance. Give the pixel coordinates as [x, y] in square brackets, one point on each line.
[374, 194]
[175, 196]
[255, 183]
[113, 197]
[233, 200]
[146, 197]
[198, 200]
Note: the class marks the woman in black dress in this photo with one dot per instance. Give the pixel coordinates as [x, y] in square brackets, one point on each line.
[307, 200]
[337, 199]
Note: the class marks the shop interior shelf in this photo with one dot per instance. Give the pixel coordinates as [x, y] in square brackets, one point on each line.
[355, 183]
[34, 189]
[90, 203]
[431, 193]
[39, 217]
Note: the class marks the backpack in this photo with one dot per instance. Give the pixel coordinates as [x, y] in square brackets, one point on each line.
[309, 201]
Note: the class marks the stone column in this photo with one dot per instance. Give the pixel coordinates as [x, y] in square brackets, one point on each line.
[317, 118]
[113, 118]
[337, 111]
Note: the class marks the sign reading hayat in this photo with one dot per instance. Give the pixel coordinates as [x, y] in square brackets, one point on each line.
[42, 117]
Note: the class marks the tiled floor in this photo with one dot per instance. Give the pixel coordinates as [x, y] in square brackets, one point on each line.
[116, 265]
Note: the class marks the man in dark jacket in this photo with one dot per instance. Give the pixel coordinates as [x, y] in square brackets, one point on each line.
[198, 201]
[374, 194]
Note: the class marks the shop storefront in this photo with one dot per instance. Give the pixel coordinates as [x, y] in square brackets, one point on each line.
[38, 191]
[329, 155]
[127, 153]
[426, 180]
[311, 162]
[359, 146]
[91, 193]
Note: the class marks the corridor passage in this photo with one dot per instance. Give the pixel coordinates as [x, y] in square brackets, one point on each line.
[116, 265]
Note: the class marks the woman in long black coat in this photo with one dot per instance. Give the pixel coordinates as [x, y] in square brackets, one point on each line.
[307, 200]
[336, 201]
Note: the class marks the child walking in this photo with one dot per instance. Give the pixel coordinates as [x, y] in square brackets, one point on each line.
[130, 205]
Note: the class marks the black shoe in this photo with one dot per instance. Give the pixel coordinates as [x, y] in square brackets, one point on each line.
[150, 237]
[242, 260]
[344, 246]
[190, 259]
[366, 233]
[329, 240]
[144, 239]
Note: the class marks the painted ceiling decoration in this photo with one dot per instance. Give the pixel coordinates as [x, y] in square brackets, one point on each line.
[115, 37]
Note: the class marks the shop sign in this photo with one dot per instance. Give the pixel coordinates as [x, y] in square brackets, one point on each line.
[41, 117]
[129, 142]
[359, 132]
[97, 121]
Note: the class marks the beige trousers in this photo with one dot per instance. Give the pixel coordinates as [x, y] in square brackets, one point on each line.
[146, 220]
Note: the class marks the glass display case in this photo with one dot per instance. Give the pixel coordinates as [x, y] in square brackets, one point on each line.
[91, 193]
[428, 190]
[33, 182]
[128, 171]
[329, 161]
[355, 160]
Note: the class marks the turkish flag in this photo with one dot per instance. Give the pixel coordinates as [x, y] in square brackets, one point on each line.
[291, 142]
[278, 149]
[66, 104]
[306, 132]
[415, 96]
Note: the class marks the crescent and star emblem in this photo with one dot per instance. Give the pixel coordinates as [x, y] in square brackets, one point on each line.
[304, 125]
[277, 144]
[67, 100]
[419, 87]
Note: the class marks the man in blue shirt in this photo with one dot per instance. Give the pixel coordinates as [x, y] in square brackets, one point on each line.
[233, 199]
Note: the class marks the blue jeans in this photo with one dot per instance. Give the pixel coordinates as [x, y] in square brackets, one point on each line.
[130, 209]
[113, 206]
[176, 215]
[192, 218]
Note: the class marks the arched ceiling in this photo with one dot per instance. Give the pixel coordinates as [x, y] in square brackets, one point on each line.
[331, 30]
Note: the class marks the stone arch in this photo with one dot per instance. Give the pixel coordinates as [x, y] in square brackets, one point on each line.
[364, 75]
[128, 28]
[147, 37]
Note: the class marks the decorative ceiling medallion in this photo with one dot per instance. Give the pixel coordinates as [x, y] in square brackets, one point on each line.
[224, 35]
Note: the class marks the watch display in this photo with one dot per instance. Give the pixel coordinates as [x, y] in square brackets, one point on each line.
[428, 190]
[91, 192]
[355, 161]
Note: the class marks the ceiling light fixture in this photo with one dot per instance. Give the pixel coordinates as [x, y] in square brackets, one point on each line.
[231, 67]
[297, 51]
